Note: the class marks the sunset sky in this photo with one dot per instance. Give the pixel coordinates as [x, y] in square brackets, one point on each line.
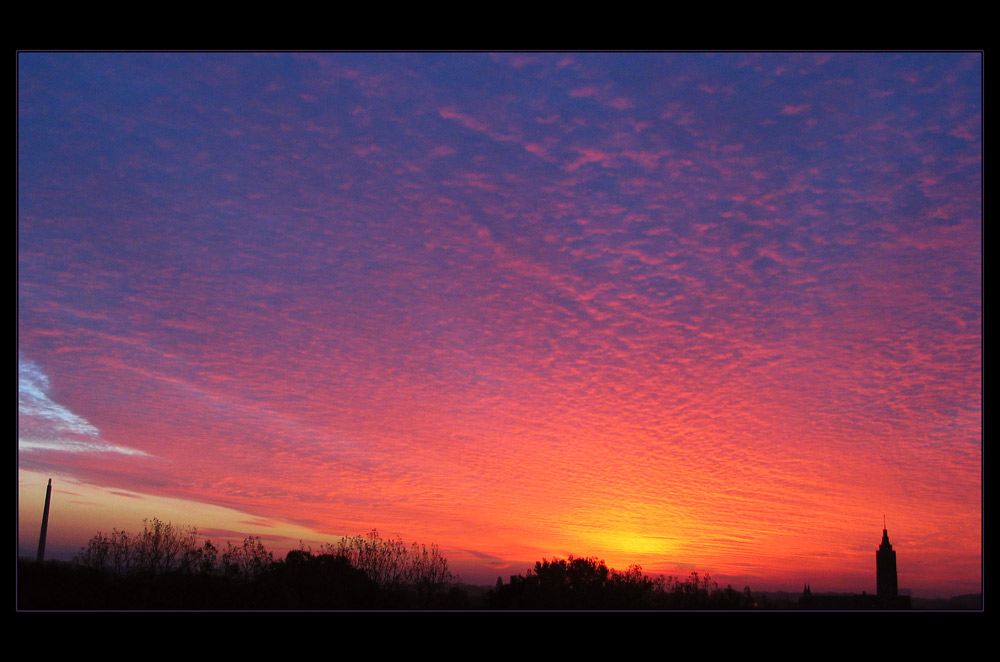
[695, 311]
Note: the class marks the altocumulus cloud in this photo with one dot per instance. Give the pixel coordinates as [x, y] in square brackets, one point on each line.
[46, 425]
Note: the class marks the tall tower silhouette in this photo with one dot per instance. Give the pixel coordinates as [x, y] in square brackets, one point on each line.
[885, 570]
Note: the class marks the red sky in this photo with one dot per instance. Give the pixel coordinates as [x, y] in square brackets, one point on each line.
[713, 312]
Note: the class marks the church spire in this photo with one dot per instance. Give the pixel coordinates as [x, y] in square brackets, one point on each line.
[885, 568]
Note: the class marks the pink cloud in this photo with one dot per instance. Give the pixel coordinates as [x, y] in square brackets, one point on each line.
[795, 109]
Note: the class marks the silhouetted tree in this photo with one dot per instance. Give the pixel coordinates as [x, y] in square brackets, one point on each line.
[428, 572]
[587, 583]
[394, 567]
[246, 562]
[203, 560]
[573, 583]
[159, 548]
[162, 547]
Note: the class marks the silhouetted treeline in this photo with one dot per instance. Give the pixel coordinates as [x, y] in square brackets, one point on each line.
[587, 583]
[164, 567]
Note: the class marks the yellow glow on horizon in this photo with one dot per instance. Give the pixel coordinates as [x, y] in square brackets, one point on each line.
[626, 534]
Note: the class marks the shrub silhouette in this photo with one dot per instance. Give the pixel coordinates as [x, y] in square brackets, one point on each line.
[418, 571]
[587, 583]
[164, 567]
[159, 548]
[248, 561]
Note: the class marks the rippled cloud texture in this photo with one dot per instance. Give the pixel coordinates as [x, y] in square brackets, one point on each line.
[711, 311]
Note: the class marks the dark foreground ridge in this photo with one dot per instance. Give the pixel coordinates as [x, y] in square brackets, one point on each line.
[166, 567]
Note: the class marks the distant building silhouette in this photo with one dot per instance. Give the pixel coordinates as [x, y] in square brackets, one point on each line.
[886, 585]
[886, 582]
[887, 589]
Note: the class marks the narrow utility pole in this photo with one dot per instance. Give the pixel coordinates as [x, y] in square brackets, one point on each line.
[45, 523]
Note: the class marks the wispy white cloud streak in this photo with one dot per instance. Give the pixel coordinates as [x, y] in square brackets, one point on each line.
[46, 425]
